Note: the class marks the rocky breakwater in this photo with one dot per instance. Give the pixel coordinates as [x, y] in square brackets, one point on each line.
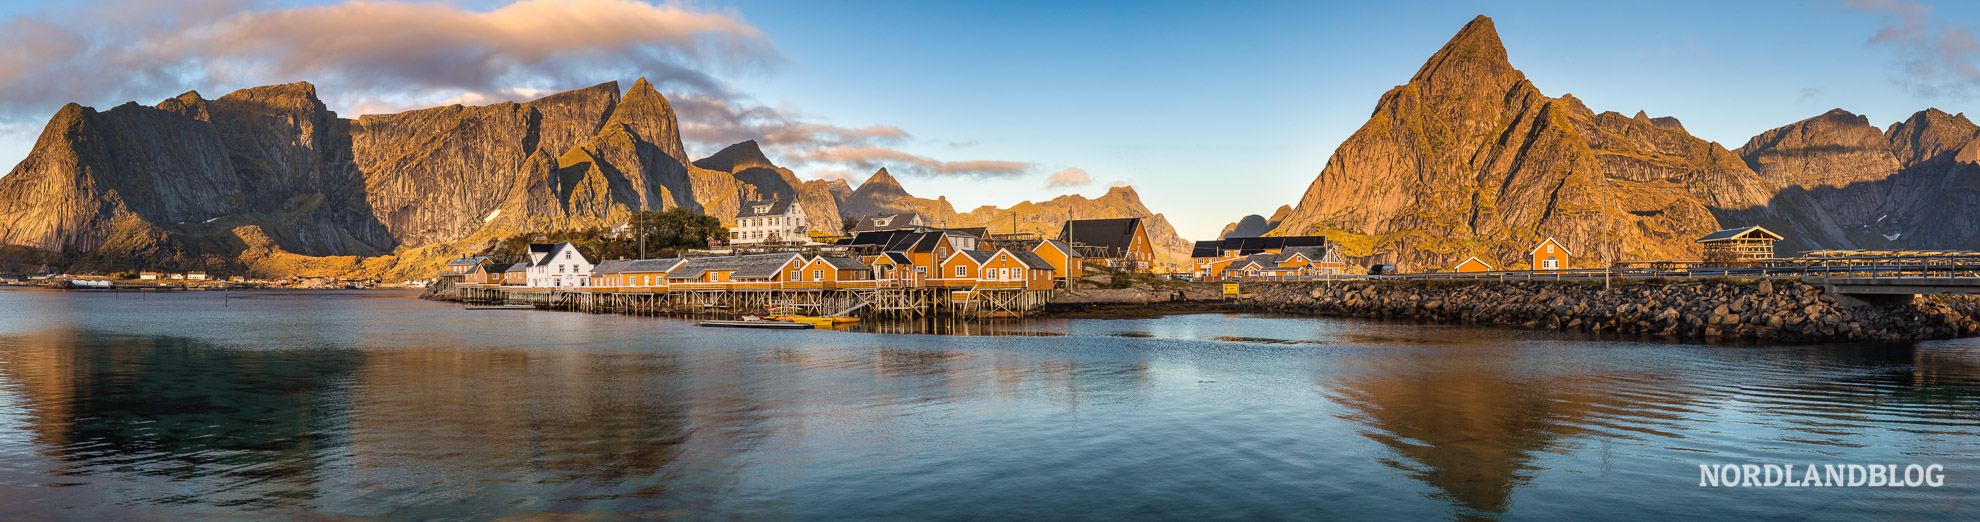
[1786, 311]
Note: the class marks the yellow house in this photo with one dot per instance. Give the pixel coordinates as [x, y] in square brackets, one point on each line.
[1065, 261]
[1473, 264]
[1121, 242]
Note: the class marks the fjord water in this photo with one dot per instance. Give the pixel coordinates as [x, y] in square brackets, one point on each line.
[374, 404]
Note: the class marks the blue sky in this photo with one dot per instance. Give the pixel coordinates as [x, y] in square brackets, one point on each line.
[1217, 110]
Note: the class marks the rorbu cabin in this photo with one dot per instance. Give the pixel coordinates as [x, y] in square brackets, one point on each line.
[827, 272]
[1066, 262]
[1472, 264]
[516, 275]
[647, 275]
[1735, 245]
[1213, 259]
[1120, 243]
[1550, 255]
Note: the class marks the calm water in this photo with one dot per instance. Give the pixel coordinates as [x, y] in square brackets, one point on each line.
[374, 404]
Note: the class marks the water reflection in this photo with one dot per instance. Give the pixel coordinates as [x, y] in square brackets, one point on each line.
[236, 429]
[129, 410]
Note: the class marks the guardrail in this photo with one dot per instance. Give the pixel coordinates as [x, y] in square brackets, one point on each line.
[1882, 270]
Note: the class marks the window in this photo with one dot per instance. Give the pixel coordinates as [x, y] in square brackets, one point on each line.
[560, 269]
[960, 271]
[794, 274]
[567, 254]
[1550, 248]
[1550, 264]
[818, 275]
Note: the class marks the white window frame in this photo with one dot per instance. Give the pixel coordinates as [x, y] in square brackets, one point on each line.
[962, 271]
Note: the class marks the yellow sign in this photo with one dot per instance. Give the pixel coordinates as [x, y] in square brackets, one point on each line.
[1230, 289]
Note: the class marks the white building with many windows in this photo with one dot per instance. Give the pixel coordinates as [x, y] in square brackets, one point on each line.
[558, 265]
[774, 219]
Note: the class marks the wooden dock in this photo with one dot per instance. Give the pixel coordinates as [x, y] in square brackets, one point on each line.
[884, 302]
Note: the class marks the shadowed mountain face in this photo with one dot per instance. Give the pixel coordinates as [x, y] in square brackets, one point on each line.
[268, 181]
[761, 179]
[1469, 158]
[269, 171]
[275, 159]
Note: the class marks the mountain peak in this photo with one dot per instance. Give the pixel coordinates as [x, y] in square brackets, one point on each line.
[1474, 54]
[880, 179]
[734, 158]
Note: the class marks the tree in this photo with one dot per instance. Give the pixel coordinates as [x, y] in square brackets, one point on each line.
[847, 224]
[676, 228]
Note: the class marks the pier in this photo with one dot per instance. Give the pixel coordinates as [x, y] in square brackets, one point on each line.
[873, 299]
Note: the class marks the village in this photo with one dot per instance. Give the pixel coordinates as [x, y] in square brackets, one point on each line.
[897, 264]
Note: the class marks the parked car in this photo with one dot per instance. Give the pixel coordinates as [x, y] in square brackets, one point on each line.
[1382, 270]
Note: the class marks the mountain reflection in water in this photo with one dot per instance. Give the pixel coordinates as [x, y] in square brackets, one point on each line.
[366, 404]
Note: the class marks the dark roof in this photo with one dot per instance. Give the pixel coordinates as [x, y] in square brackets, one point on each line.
[1031, 260]
[892, 222]
[1314, 253]
[778, 207]
[463, 261]
[518, 267]
[899, 258]
[915, 242]
[549, 249]
[750, 266]
[1211, 248]
[843, 263]
[1735, 233]
[1251, 245]
[648, 266]
[1113, 234]
[1303, 241]
[877, 237]
[610, 267]
[978, 232]
[979, 256]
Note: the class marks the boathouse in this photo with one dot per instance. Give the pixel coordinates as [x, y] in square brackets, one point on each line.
[1120, 243]
[1472, 264]
[1733, 245]
[461, 265]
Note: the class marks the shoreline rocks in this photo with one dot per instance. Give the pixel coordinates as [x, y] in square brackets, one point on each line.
[1788, 311]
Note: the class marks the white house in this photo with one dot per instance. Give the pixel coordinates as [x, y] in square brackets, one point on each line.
[558, 265]
[775, 219]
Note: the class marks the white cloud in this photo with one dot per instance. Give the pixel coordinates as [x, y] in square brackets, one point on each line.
[1073, 177]
[1937, 58]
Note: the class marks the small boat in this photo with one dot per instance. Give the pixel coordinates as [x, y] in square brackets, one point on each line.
[780, 325]
[822, 322]
[501, 307]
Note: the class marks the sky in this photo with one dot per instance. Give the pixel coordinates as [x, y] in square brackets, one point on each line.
[1210, 110]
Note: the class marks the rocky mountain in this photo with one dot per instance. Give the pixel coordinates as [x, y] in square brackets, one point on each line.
[267, 181]
[760, 179]
[196, 183]
[1255, 225]
[1470, 158]
[882, 194]
[1847, 184]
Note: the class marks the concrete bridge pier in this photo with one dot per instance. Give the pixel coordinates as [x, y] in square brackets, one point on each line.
[1891, 291]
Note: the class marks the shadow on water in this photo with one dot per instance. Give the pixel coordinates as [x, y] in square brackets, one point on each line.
[1475, 422]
